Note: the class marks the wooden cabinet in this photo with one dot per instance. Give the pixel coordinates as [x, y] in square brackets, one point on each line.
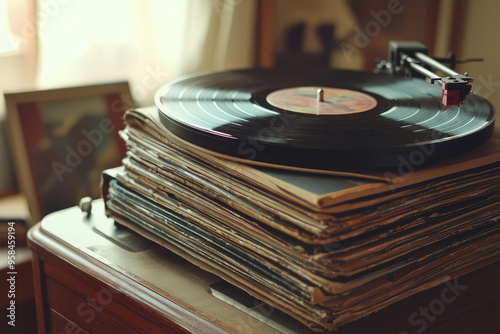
[86, 282]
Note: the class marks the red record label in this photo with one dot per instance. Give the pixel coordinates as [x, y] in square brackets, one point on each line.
[335, 101]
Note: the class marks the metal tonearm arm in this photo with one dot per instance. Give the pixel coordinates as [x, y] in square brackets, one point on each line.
[411, 59]
[455, 86]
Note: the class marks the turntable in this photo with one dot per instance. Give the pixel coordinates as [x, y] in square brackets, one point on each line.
[331, 119]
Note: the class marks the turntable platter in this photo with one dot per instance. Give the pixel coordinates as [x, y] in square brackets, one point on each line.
[363, 120]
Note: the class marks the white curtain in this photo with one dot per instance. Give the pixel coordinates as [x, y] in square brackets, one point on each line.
[147, 42]
[18, 52]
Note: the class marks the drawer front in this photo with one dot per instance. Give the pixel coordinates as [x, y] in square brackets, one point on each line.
[62, 325]
[98, 303]
[88, 314]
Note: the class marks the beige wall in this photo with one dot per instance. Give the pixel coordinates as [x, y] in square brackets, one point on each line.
[477, 27]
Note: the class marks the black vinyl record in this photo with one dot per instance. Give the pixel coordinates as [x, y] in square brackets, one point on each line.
[365, 120]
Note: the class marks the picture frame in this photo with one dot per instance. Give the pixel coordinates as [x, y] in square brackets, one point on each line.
[62, 139]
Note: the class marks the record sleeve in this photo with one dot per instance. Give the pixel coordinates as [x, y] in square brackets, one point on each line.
[319, 188]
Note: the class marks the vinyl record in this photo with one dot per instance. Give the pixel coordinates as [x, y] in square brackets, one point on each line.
[364, 120]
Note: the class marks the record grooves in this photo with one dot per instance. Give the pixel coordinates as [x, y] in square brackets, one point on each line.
[230, 113]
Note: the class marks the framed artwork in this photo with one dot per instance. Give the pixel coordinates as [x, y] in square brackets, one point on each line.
[62, 139]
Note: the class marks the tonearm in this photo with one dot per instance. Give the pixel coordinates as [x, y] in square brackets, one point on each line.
[410, 59]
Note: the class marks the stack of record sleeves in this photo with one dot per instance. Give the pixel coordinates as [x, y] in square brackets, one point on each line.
[325, 248]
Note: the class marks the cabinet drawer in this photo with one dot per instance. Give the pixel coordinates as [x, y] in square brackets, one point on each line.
[105, 300]
[60, 324]
[88, 314]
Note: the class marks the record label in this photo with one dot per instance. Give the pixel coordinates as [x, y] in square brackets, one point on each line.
[335, 101]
